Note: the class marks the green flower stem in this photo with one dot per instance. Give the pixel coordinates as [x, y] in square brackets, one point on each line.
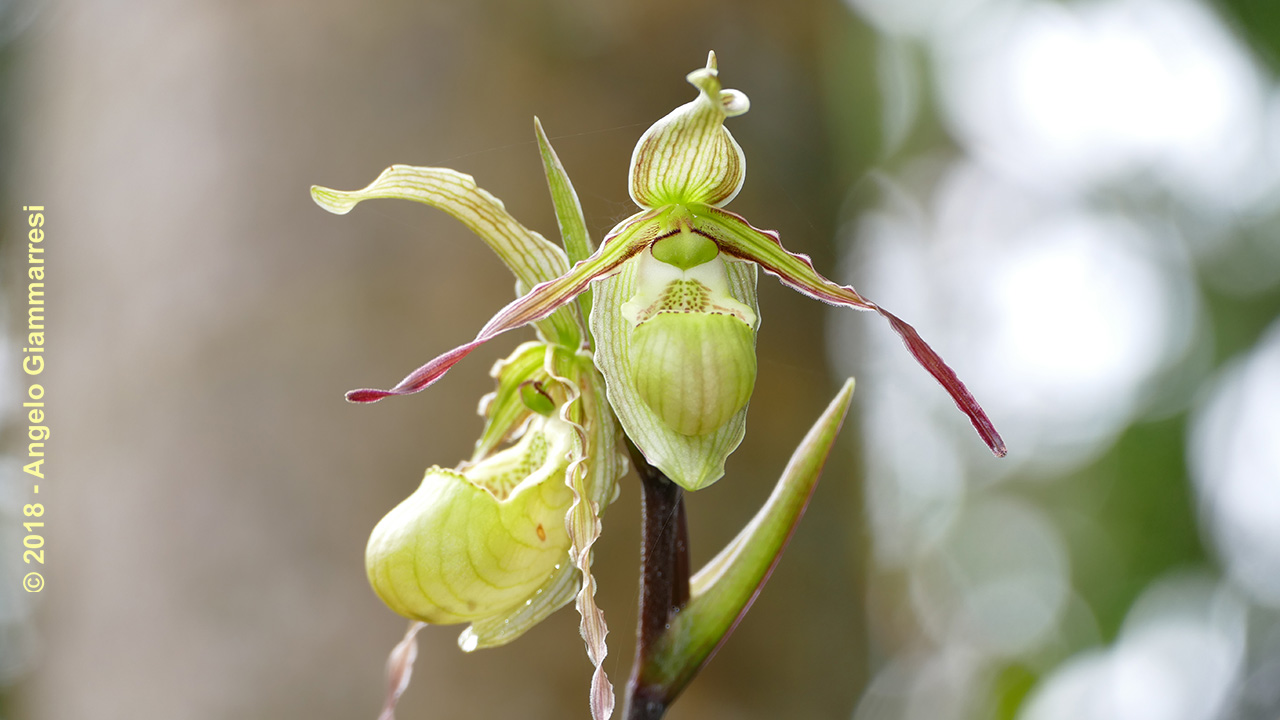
[664, 582]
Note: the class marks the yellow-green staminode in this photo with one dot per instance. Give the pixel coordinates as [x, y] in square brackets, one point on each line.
[478, 542]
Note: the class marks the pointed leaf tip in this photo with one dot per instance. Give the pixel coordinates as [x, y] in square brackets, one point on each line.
[725, 588]
[573, 226]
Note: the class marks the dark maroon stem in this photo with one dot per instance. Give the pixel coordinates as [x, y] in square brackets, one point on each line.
[664, 580]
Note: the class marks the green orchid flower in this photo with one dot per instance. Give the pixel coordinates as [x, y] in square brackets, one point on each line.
[673, 314]
[654, 334]
[503, 540]
[486, 542]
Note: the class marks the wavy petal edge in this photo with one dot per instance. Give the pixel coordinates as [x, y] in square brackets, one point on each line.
[737, 237]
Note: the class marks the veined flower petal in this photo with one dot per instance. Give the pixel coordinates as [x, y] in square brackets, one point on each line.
[627, 238]
[531, 257]
[735, 236]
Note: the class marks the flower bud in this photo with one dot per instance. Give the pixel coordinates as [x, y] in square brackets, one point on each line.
[473, 543]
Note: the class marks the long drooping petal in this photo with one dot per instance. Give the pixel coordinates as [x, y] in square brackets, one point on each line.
[532, 258]
[735, 236]
[628, 238]
[592, 477]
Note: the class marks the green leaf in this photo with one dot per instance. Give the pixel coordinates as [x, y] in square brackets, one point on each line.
[532, 258]
[722, 592]
[573, 226]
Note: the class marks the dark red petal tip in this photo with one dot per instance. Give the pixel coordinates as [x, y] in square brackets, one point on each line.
[964, 400]
[420, 379]
[367, 395]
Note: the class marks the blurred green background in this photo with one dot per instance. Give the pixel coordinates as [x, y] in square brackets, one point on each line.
[1075, 202]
